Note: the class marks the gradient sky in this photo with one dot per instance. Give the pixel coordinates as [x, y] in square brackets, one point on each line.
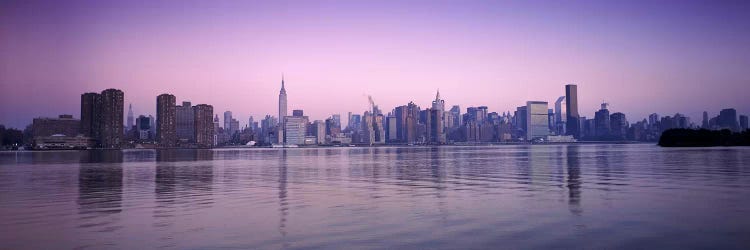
[642, 57]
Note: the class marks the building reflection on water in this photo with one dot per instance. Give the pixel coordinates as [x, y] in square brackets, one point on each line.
[100, 189]
[574, 179]
[283, 199]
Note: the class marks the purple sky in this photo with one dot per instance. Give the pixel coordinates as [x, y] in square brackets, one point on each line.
[652, 56]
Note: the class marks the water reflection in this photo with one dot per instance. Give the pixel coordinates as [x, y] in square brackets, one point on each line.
[283, 203]
[100, 190]
[574, 179]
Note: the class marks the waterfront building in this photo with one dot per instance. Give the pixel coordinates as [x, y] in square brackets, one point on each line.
[112, 111]
[743, 122]
[537, 124]
[166, 120]
[64, 125]
[185, 123]
[91, 115]
[204, 126]
[319, 131]
[295, 129]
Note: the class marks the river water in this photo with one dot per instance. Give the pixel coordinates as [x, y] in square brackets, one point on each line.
[499, 197]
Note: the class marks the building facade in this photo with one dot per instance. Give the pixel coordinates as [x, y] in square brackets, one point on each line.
[112, 111]
[204, 125]
[166, 120]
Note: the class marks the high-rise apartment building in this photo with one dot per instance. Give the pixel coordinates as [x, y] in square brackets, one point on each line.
[91, 115]
[166, 120]
[112, 111]
[204, 125]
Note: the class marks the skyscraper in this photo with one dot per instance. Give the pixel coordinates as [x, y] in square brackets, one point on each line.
[111, 118]
[728, 119]
[131, 122]
[204, 126]
[601, 122]
[185, 125]
[704, 124]
[166, 120]
[227, 120]
[295, 128]
[91, 115]
[572, 126]
[743, 122]
[537, 120]
[619, 126]
[282, 112]
[282, 102]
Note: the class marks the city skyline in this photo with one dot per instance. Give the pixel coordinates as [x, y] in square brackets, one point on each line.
[498, 55]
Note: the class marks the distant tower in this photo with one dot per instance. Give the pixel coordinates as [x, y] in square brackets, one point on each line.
[282, 102]
[131, 120]
[282, 112]
[572, 125]
[704, 124]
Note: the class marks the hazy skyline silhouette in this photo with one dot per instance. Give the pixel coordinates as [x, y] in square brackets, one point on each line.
[642, 57]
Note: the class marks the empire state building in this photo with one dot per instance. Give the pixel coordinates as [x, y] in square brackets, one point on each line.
[282, 103]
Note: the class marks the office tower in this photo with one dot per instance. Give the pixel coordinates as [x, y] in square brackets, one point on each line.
[166, 120]
[602, 123]
[537, 124]
[143, 128]
[391, 128]
[681, 121]
[572, 127]
[319, 131]
[704, 124]
[204, 125]
[438, 104]
[217, 129]
[435, 126]
[336, 121]
[295, 129]
[251, 123]
[62, 125]
[111, 118]
[728, 120]
[282, 103]
[91, 115]
[131, 122]
[234, 127]
[227, 120]
[349, 120]
[298, 112]
[560, 116]
[457, 121]
[185, 125]
[619, 126]
[355, 121]
[743, 122]
[412, 117]
[521, 120]
[267, 126]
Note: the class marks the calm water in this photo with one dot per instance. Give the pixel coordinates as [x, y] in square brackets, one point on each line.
[510, 197]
